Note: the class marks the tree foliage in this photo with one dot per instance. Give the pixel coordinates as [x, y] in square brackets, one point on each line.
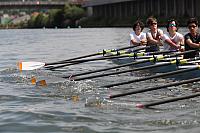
[68, 16]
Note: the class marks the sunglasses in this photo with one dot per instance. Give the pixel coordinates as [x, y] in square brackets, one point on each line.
[153, 23]
[192, 26]
[172, 25]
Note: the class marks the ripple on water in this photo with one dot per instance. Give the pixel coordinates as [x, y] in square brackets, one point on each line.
[68, 106]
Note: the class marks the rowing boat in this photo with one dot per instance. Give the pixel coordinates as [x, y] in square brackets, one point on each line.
[163, 69]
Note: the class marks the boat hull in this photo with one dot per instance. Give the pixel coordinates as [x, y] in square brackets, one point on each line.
[162, 69]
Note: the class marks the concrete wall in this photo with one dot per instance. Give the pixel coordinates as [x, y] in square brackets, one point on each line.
[128, 8]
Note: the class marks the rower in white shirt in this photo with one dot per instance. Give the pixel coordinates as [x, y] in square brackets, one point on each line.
[173, 39]
[154, 35]
[137, 37]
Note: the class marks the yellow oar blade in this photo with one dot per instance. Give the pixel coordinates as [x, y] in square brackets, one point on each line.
[30, 65]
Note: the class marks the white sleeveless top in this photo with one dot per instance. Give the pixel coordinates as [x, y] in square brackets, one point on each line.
[176, 39]
[136, 37]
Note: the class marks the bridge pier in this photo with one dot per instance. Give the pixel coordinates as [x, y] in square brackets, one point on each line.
[128, 8]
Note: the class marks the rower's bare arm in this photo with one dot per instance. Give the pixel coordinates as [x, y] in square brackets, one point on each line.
[182, 41]
[192, 44]
[153, 41]
[172, 44]
[134, 42]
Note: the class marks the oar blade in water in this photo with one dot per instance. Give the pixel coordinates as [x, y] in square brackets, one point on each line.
[30, 65]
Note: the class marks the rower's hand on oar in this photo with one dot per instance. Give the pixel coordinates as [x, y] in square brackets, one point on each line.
[143, 42]
[180, 48]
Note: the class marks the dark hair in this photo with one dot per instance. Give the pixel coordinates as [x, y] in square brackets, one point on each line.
[169, 21]
[192, 20]
[140, 23]
[151, 20]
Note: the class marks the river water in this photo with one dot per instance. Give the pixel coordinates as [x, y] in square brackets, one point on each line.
[81, 107]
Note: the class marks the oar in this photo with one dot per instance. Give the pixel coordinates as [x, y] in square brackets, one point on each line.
[73, 62]
[128, 64]
[93, 59]
[156, 88]
[36, 65]
[132, 53]
[90, 55]
[154, 76]
[88, 60]
[135, 53]
[183, 61]
[169, 100]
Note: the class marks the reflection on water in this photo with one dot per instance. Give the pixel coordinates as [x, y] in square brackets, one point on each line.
[70, 106]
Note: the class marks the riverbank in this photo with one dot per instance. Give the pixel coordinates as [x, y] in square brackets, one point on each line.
[126, 22]
[98, 22]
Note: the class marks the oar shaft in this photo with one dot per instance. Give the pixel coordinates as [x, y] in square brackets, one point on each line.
[153, 76]
[134, 63]
[60, 66]
[101, 58]
[94, 59]
[156, 88]
[73, 62]
[125, 71]
[90, 55]
[167, 101]
[161, 52]
[60, 62]
[100, 70]
[119, 66]
[105, 69]
[82, 61]
[124, 65]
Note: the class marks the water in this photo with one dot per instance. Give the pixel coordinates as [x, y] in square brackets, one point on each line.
[74, 107]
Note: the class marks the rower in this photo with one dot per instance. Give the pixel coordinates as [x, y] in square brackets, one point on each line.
[137, 37]
[192, 39]
[154, 35]
[172, 39]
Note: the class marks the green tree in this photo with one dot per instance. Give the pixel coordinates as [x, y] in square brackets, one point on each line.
[73, 14]
[68, 16]
[39, 21]
[56, 18]
[31, 22]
